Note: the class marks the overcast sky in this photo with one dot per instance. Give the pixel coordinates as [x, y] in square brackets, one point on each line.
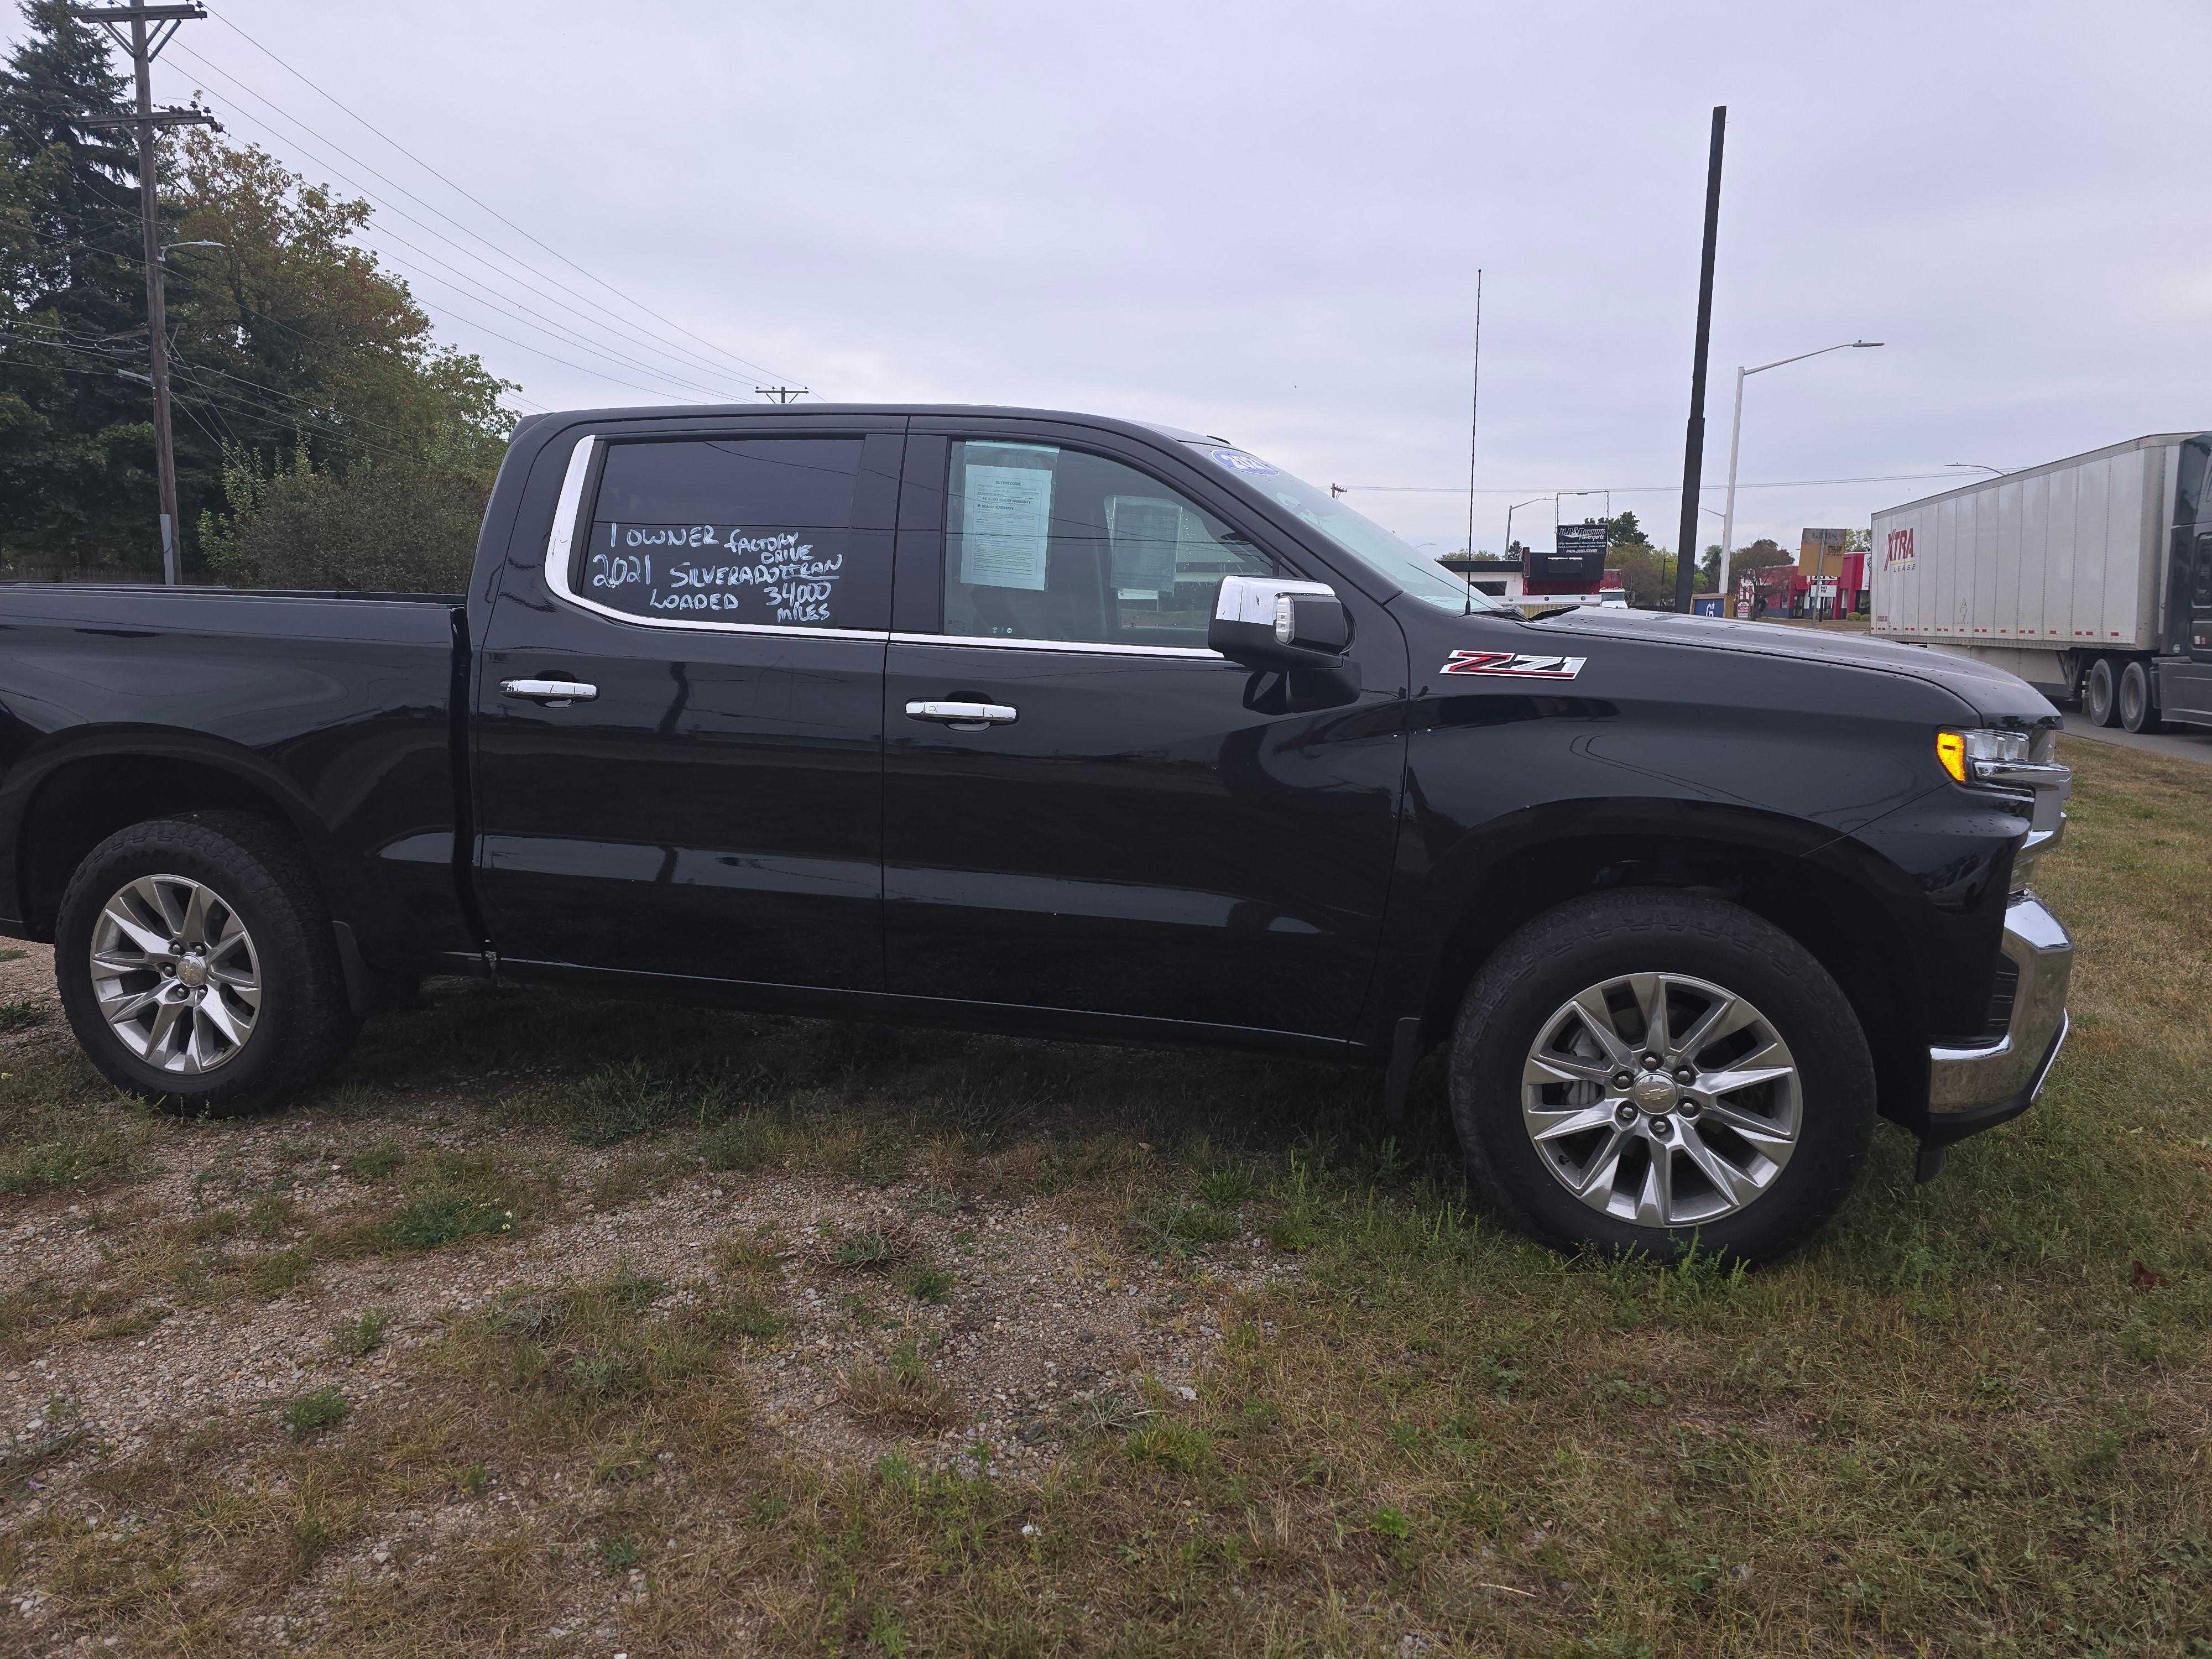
[1264, 220]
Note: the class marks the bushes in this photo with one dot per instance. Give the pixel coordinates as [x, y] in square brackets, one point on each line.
[408, 527]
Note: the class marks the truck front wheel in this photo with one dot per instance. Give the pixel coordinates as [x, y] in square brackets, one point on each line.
[1642, 1070]
[197, 963]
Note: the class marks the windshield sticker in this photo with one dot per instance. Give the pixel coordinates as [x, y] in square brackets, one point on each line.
[1513, 665]
[1237, 461]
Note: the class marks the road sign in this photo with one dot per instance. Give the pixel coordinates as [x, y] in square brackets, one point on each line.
[1578, 555]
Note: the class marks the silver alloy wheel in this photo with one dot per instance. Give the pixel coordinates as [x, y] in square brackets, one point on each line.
[175, 974]
[1655, 1129]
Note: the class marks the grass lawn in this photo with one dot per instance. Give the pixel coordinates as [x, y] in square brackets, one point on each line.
[560, 1325]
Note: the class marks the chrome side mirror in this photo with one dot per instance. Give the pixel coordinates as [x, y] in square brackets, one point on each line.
[1273, 621]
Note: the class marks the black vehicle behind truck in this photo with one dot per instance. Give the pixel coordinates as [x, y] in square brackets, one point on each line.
[1064, 725]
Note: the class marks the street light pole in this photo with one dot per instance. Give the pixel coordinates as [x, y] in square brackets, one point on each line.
[1510, 512]
[1735, 439]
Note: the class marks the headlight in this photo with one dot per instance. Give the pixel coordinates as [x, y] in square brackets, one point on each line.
[2014, 760]
[1965, 755]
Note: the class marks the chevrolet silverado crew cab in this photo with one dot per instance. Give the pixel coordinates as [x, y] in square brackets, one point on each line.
[1052, 724]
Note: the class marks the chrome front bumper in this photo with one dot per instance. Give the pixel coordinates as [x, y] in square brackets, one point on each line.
[1970, 1090]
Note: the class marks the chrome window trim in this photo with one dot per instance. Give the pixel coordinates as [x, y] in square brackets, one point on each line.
[1196, 654]
[560, 548]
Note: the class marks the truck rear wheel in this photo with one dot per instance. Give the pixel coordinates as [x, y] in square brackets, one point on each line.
[195, 962]
[2100, 701]
[2135, 700]
[1642, 1070]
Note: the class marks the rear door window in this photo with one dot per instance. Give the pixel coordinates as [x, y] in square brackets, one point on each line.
[740, 531]
[1044, 543]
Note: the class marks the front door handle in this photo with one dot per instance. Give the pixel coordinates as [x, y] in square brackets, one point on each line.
[554, 694]
[963, 716]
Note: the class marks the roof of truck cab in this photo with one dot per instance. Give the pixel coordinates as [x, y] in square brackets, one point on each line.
[771, 411]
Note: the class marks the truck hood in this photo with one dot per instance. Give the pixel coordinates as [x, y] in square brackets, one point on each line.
[1993, 692]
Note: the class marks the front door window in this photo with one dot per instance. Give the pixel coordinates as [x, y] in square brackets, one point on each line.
[1044, 542]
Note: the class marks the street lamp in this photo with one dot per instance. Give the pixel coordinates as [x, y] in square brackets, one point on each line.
[1557, 494]
[1510, 512]
[1735, 434]
[167, 248]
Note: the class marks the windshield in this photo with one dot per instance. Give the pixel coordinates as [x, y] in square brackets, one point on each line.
[1362, 538]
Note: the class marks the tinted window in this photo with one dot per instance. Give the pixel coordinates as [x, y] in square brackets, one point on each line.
[738, 529]
[1044, 543]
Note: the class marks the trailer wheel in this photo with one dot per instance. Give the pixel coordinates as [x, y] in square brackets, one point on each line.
[2102, 702]
[2135, 700]
[197, 963]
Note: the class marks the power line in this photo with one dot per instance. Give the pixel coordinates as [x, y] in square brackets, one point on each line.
[258, 318]
[676, 352]
[1633, 489]
[493, 298]
[432, 230]
[560, 333]
[274, 418]
[487, 208]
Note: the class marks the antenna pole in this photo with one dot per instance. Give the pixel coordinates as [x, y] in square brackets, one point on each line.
[1473, 428]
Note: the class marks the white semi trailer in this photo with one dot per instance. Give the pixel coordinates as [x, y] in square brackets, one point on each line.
[2090, 576]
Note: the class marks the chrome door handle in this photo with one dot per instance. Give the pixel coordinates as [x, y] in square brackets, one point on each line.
[552, 693]
[963, 716]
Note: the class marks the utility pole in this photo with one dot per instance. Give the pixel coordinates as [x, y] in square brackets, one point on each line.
[145, 38]
[782, 394]
[1694, 446]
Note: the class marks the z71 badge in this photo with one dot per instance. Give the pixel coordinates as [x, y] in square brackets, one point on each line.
[1513, 665]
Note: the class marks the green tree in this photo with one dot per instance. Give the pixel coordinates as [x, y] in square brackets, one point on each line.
[1762, 554]
[406, 527]
[1647, 573]
[297, 340]
[342, 447]
[290, 346]
[1624, 531]
[76, 437]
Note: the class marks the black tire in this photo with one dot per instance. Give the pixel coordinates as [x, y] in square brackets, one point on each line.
[1526, 984]
[2135, 701]
[256, 869]
[2100, 699]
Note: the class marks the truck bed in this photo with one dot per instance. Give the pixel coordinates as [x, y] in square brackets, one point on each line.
[339, 705]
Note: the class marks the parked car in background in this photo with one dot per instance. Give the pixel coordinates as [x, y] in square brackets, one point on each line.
[1048, 723]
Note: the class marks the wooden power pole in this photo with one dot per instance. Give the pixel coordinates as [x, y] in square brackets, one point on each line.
[143, 30]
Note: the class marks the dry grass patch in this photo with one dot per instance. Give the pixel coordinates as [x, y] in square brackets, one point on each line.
[900, 1391]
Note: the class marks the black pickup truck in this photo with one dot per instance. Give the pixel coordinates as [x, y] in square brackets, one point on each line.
[1066, 726]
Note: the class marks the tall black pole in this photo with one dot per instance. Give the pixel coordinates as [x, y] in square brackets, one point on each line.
[1693, 446]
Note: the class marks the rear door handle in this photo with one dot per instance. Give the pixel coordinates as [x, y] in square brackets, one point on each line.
[963, 716]
[552, 693]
